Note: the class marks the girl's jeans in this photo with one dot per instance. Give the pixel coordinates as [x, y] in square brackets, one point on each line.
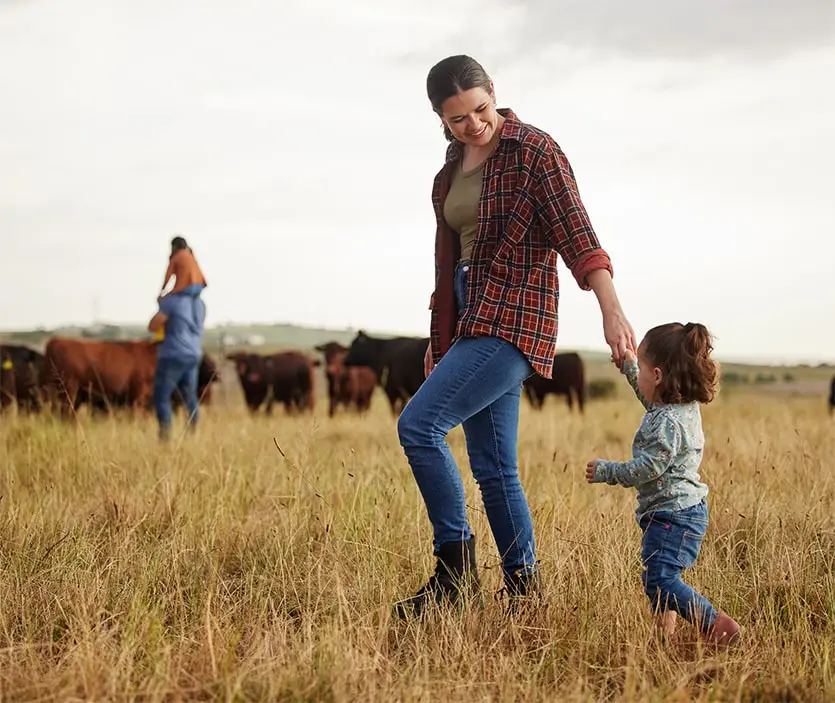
[478, 385]
[671, 543]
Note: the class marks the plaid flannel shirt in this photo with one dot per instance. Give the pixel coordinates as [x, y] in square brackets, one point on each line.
[529, 211]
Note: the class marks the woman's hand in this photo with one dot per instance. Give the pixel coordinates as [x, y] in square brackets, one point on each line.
[428, 364]
[619, 335]
[617, 331]
[628, 357]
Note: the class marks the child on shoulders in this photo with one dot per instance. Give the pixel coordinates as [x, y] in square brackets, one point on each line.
[189, 279]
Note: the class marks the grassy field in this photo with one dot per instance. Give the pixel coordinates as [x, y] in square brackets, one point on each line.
[222, 568]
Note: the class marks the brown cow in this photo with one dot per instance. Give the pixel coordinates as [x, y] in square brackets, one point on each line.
[286, 377]
[351, 386]
[207, 375]
[568, 379]
[106, 369]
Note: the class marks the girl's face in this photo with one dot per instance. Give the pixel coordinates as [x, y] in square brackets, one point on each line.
[471, 116]
[649, 376]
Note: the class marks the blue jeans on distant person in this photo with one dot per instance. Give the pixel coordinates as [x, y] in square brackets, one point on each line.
[194, 289]
[171, 374]
[671, 543]
[477, 384]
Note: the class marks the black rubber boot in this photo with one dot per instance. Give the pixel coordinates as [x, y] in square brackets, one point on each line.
[522, 590]
[455, 575]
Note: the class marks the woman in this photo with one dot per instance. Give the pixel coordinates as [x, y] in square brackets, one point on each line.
[506, 204]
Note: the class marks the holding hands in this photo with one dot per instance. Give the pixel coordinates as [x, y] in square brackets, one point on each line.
[627, 356]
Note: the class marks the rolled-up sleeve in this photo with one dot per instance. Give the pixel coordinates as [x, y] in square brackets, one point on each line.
[567, 223]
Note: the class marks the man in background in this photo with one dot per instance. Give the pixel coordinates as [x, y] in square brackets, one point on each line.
[180, 319]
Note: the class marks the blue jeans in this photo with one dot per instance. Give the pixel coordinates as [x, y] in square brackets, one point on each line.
[477, 384]
[194, 290]
[172, 374]
[671, 543]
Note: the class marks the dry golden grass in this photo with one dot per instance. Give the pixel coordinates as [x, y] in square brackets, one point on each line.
[215, 568]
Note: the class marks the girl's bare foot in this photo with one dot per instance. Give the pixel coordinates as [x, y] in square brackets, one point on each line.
[665, 624]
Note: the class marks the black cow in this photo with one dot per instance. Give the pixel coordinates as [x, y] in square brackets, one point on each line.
[832, 396]
[568, 379]
[20, 371]
[398, 363]
[287, 378]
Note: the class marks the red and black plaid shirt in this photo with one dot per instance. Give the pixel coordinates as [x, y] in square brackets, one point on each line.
[529, 211]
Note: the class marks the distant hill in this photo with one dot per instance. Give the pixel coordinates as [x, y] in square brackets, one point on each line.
[264, 337]
[220, 336]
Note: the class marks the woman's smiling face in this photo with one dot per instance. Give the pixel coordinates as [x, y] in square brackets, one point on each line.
[471, 116]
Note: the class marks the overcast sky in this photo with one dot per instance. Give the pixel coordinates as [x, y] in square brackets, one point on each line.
[293, 145]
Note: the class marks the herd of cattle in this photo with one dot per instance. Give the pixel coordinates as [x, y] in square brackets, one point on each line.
[108, 374]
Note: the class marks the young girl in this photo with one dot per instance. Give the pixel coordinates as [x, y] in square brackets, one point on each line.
[673, 374]
[183, 265]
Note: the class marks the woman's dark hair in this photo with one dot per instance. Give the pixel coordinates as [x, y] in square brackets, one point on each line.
[451, 76]
[682, 352]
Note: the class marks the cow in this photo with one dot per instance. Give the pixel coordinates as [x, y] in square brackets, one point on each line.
[20, 371]
[104, 403]
[832, 396]
[568, 379]
[398, 363]
[286, 377]
[351, 386]
[120, 371]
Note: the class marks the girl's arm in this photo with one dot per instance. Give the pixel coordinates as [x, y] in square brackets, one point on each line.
[657, 444]
[630, 370]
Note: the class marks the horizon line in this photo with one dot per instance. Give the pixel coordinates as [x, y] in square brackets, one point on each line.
[740, 359]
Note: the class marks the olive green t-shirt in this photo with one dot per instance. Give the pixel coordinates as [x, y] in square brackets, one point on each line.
[461, 205]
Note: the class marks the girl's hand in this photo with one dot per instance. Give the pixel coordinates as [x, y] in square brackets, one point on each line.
[590, 471]
[621, 364]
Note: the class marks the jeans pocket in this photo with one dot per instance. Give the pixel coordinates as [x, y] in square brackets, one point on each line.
[691, 544]
[655, 540]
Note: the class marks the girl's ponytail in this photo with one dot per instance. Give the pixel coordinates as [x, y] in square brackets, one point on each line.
[698, 340]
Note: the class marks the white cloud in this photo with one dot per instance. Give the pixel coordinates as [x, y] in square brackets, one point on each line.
[296, 152]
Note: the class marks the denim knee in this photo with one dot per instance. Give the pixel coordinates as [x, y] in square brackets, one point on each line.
[657, 582]
[415, 428]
